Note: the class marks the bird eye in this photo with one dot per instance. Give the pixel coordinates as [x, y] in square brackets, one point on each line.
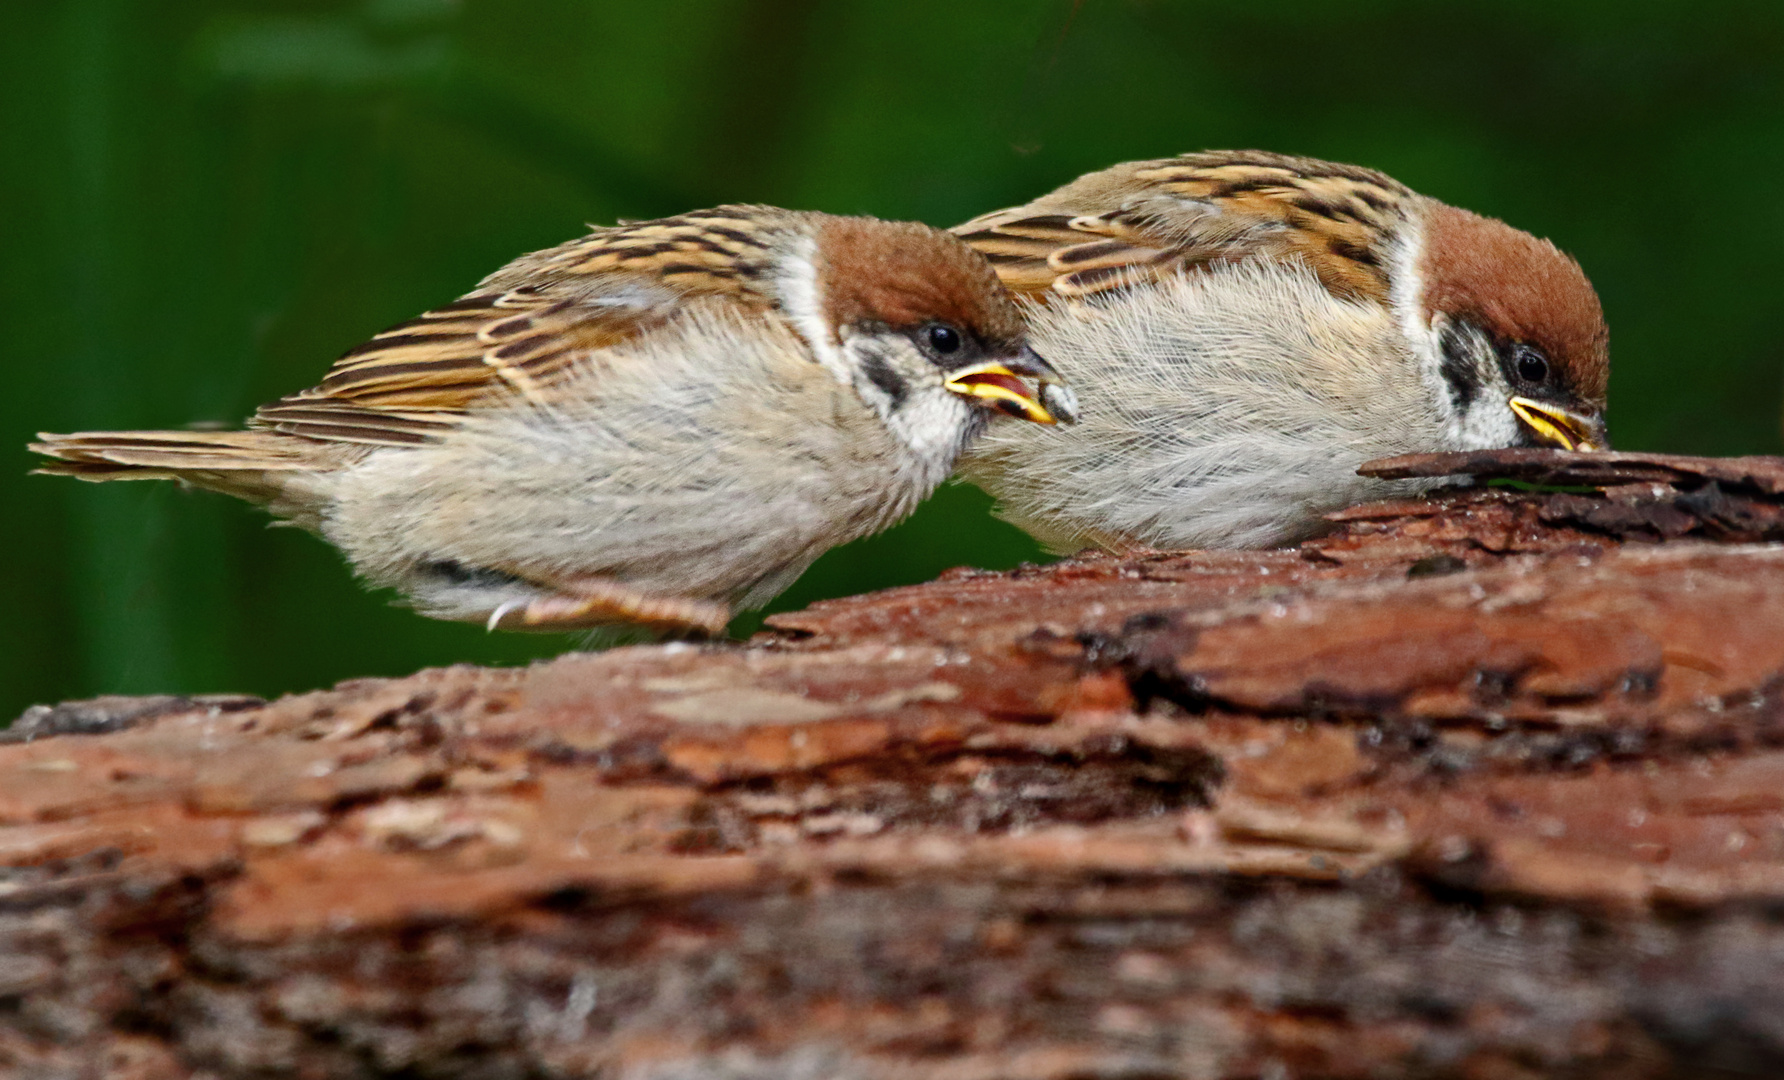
[941, 338]
[1532, 366]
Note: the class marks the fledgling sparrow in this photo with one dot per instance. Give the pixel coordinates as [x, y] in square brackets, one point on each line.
[651, 424]
[1250, 327]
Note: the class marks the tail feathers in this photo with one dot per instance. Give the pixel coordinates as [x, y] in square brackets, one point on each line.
[286, 475]
[144, 455]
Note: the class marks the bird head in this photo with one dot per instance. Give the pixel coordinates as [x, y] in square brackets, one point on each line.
[1512, 332]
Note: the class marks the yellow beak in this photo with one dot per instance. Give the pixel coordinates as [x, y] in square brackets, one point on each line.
[1556, 425]
[999, 384]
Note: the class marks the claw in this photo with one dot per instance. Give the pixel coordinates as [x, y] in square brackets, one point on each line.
[495, 617]
[592, 602]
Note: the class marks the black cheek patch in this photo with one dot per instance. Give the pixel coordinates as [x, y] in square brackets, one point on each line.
[456, 573]
[881, 375]
[1457, 367]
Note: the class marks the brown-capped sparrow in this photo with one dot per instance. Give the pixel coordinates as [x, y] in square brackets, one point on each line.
[650, 425]
[1250, 327]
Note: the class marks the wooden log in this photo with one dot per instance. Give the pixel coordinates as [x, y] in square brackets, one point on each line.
[1484, 785]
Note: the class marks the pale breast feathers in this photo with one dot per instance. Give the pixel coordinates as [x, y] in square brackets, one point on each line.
[526, 325]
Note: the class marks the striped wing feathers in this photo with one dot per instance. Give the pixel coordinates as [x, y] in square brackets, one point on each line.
[1143, 221]
[1066, 255]
[417, 378]
[706, 251]
[527, 326]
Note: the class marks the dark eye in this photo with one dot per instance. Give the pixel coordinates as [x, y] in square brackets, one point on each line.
[1533, 366]
[942, 339]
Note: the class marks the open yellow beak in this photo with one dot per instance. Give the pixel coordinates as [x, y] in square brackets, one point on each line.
[998, 383]
[1556, 425]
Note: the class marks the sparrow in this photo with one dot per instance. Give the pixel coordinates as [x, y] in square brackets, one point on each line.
[651, 425]
[1250, 327]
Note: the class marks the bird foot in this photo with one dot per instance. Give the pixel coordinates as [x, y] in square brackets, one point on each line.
[592, 602]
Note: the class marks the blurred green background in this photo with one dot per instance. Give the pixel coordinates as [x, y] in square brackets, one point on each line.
[205, 201]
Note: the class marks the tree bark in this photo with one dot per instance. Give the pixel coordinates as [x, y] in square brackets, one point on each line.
[1483, 785]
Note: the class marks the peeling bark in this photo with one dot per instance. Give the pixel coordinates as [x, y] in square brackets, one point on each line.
[1484, 785]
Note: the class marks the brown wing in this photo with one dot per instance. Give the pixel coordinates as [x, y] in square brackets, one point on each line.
[526, 325]
[1145, 220]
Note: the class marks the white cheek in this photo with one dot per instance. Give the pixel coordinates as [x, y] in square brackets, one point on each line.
[936, 425]
[1488, 423]
[1406, 299]
[933, 424]
[800, 299]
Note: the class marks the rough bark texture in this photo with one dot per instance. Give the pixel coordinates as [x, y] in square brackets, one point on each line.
[1486, 785]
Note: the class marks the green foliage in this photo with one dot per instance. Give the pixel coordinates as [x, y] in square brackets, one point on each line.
[205, 201]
